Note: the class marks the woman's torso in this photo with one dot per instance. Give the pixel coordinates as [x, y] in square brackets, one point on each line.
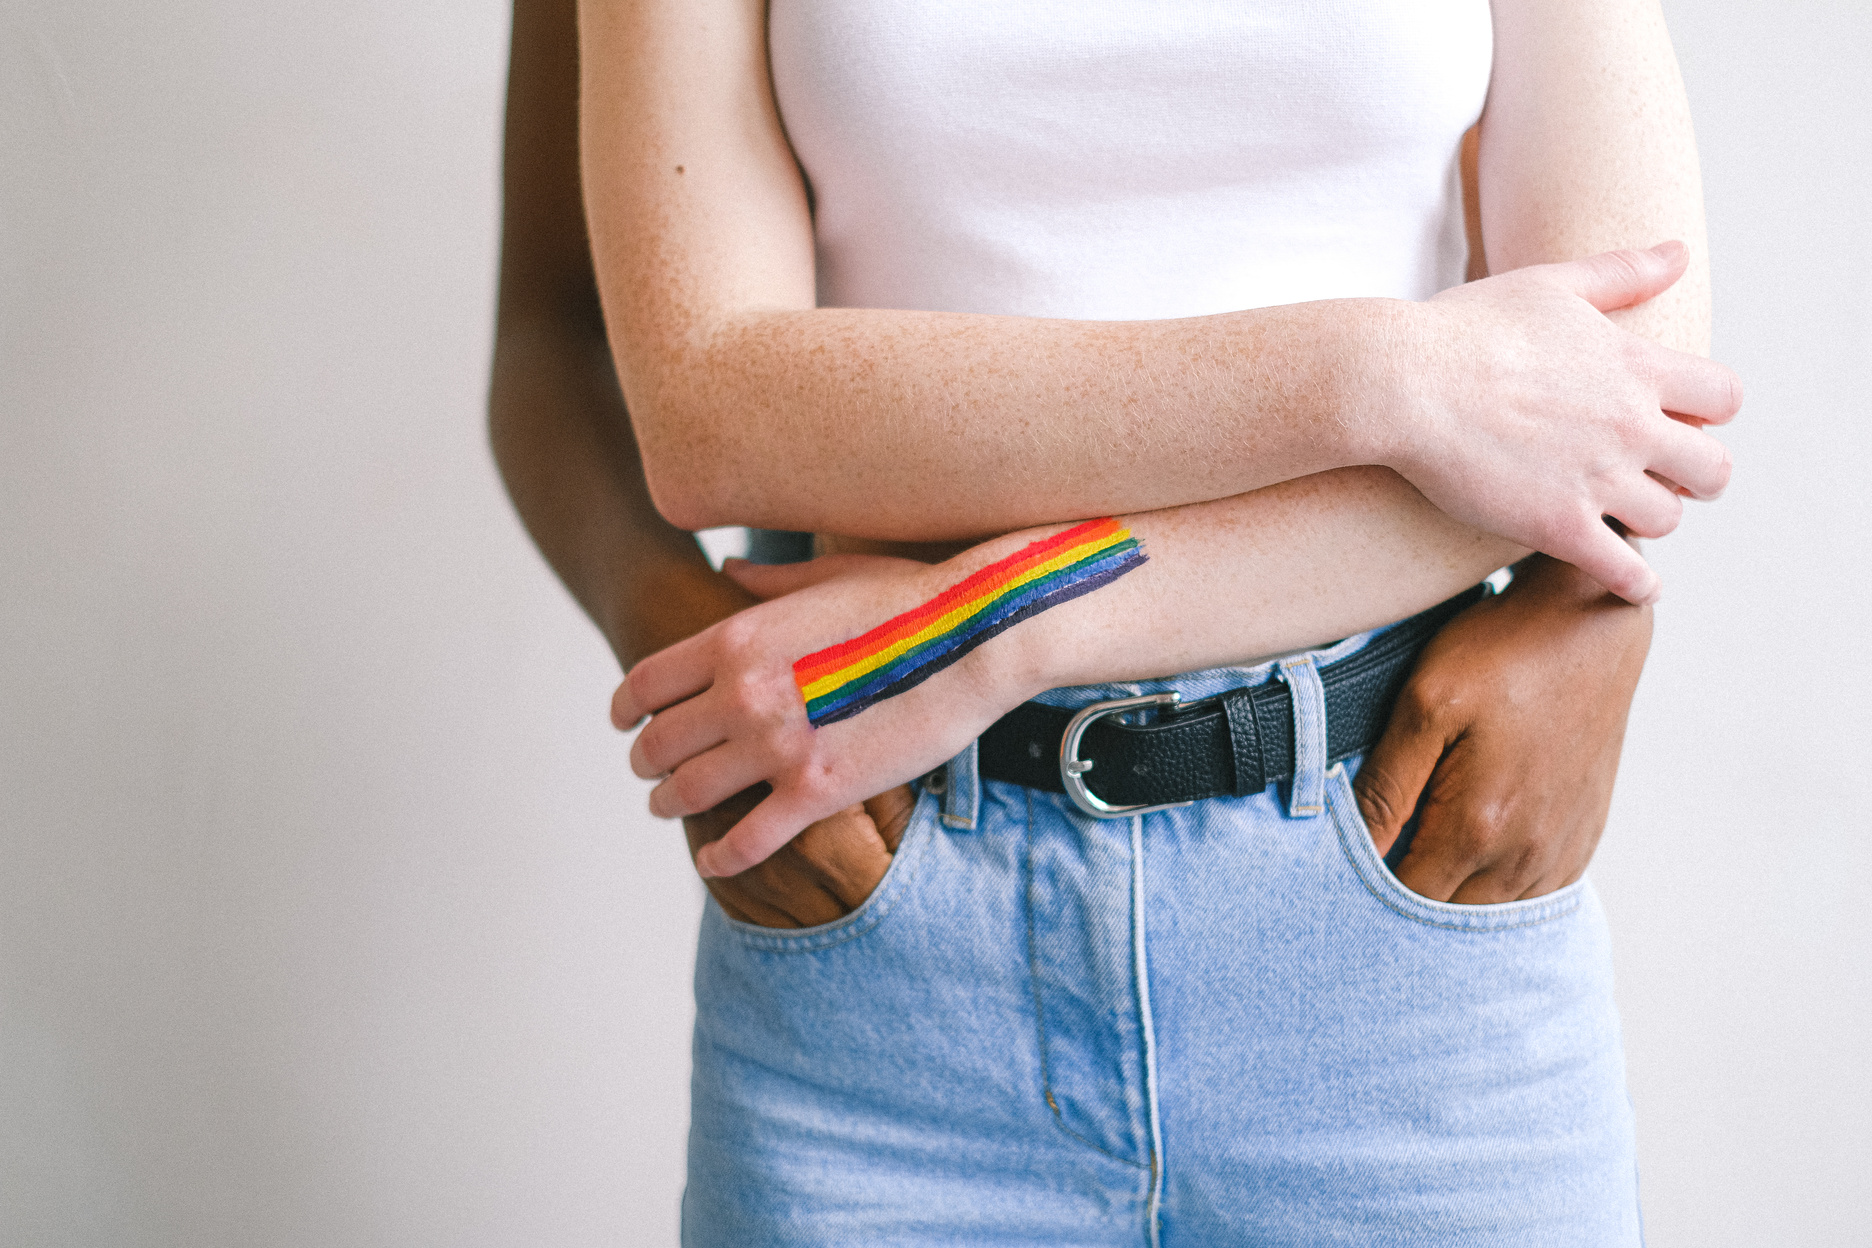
[1121, 160]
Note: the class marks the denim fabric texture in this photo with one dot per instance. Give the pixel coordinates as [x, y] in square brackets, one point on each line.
[1223, 1024]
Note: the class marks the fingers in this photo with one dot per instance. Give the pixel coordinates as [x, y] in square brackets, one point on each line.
[1619, 279]
[774, 580]
[1435, 867]
[1600, 553]
[766, 828]
[1692, 386]
[675, 736]
[1686, 456]
[1650, 509]
[1495, 885]
[1393, 775]
[706, 781]
[890, 811]
[1474, 856]
[681, 671]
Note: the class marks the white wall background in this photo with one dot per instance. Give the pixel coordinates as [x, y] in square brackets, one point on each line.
[327, 913]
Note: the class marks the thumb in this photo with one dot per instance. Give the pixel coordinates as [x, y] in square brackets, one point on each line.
[1606, 557]
[753, 839]
[1394, 774]
[775, 580]
[1618, 279]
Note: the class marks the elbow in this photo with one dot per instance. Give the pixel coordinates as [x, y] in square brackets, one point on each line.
[685, 499]
[689, 474]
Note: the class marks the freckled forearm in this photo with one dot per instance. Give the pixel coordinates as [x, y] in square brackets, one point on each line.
[1247, 578]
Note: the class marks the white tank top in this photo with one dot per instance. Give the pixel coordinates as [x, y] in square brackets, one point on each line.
[1130, 159]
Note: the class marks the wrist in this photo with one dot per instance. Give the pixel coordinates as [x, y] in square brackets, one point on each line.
[1009, 668]
[1024, 659]
[658, 603]
[1372, 381]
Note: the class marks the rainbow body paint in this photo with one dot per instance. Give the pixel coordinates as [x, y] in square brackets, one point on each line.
[901, 653]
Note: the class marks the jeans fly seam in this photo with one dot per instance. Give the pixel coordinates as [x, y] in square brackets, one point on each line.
[1483, 923]
[1140, 969]
[1033, 975]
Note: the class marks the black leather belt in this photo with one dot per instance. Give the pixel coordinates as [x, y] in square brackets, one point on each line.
[1236, 743]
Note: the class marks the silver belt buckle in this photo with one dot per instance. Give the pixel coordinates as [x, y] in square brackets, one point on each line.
[1072, 766]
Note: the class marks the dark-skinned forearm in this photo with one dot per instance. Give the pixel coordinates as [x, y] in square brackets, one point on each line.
[556, 418]
[563, 443]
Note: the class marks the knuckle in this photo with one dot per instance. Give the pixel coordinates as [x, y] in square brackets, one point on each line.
[1666, 515]
[1523, 863]
[646, 756]
[636, 684]
[1379, 799]
[1572, 530]
[756, 699]
[689, 792]
[735, 633]
[1623, 265]
[1428, 695]
[1479, 837]
[742, 694]
[1646, 365]
[815, 784]
[761, 698]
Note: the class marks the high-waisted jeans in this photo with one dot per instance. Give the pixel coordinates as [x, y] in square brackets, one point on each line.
[1224, 1024]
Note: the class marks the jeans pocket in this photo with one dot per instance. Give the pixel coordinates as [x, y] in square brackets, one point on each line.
[1355, 838]
[912, 851]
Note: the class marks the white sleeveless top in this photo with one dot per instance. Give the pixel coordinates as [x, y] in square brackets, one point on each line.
[1130, 159]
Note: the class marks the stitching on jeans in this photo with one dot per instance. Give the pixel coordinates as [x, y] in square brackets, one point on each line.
[1033, 978]
[870, 913]
[1545, 913]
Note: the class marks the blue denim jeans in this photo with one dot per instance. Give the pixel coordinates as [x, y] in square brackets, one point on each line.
[1224, 1024]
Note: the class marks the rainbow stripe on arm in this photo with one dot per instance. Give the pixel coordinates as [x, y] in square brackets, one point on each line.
[902, 653]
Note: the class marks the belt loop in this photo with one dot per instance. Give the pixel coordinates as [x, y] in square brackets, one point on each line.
[1245, 742]
[961, 798]
[1309, 707]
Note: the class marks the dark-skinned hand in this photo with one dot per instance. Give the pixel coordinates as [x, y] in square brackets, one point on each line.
[822, 874]
[1506, 740]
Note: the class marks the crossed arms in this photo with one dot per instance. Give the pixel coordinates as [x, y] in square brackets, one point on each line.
[560, 434]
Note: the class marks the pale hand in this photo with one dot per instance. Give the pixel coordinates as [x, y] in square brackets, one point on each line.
[1516, 406]
[727, 713]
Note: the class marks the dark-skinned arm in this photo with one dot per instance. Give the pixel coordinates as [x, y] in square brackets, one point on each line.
[563, 441]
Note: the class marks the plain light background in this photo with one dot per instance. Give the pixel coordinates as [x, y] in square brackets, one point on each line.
[329, 915]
